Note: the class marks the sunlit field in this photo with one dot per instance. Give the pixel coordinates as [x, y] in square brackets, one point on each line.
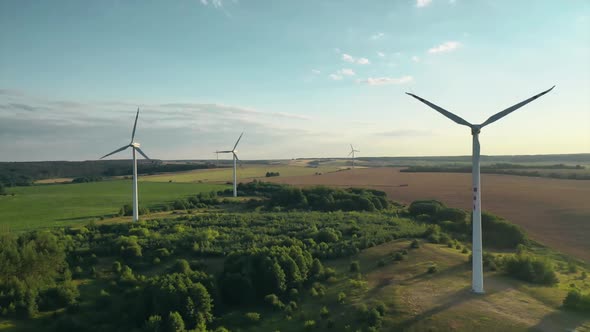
[44, 206]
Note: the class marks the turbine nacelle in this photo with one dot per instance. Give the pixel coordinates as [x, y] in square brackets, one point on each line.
[135, 144]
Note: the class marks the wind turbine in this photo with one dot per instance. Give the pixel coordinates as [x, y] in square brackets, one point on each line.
[352, 151]
[217, 155]
[135, 147]
[477, 267]
[235, 158]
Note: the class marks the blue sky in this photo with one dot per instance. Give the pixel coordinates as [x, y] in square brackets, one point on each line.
[301, 78]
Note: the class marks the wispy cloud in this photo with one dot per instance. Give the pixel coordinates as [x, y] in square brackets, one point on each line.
[347, 72]
[336, 77]
[363, 61]
[347, 57]
[351, 59]
[377, 36]
[316, 71]
[423, 3]
[386, 80]
[381, 54]
[214, 3]
[445, 47]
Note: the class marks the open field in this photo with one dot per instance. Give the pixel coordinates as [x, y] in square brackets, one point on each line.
[61, 204]
[247, 172]
[554, 212]
[443, 300]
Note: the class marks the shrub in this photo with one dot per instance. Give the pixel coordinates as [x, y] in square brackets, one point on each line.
[274, 301]
[355, 267]
[499, 233]
[381, 263]
[341, 297]
[252, 317]
[324, 312]
[415, 244]
[374, 318]
[398, 256]
[531, 269]
[576, 301]
[432, 269]
[381, 308]
[451, 214]
[309, 324]
[428, 207]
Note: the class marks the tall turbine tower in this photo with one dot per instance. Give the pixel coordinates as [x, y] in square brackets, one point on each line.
[135, 147]
[477, 267]
[352, 151]
[235, 158]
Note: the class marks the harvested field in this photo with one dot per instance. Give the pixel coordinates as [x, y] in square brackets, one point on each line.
[552, 211]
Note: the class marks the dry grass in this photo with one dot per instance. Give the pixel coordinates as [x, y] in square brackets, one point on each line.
[554, 212]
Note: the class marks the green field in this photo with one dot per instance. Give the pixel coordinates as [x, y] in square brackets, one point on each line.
[245, 172]
[62, 204]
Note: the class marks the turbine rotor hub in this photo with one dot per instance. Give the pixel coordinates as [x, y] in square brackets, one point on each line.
[475, 130]
[135, 145]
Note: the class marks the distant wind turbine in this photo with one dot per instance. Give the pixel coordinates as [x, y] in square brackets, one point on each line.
[235, 158]
[135, 147]
[352, 151]
[477, 267]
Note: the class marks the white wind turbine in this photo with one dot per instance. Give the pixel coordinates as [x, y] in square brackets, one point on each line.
[135, 147]
[352, 151]
[477, 267]
[235, 158]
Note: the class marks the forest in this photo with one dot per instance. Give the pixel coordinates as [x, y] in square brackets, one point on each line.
[224, 268]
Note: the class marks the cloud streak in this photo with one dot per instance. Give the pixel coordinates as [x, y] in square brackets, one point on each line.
[445, 47]
[376, 81]
[423, 3]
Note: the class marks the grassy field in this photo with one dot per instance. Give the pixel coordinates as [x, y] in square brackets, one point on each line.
[550, 210]
[63, 204]
[247, 172]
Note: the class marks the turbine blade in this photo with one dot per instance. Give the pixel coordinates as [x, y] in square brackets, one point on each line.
[442, 111]
[143, 154]
[511, 109]
[351, 147]
[134, 125]
[238, 141]
[350, 153]
[224, 151]
[120, 149]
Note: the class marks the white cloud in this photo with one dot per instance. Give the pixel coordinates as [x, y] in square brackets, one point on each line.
[415, 59]
[337, 50]
[336, 77]
[445, 47]
[423, 3]
[214, 3]
[363, 61]
[346, 72]
[377, 36]
[381, 54]
[386, 80]
[347, 57]
[316, 71]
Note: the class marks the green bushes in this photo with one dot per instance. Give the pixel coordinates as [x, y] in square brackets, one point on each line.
[428, 207]
[577, 301]
[499, 233]
[529, 268]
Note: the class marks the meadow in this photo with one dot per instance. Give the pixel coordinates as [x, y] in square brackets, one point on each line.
[42, 206]
[244, 173]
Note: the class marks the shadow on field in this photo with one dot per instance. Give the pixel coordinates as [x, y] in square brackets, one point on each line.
[563, 321]
[88, 218]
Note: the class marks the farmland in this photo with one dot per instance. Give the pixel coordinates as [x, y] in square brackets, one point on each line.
[554, 212]
[43, 206]
[247, 172]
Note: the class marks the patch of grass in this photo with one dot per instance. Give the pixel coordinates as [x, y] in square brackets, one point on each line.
[66, 204]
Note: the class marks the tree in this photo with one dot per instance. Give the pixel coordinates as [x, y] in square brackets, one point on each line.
[175, 322]
[317, 269]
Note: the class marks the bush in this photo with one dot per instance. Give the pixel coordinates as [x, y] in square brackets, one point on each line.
[432, 269]
[355, 267]
[274, 301]
[381, 308]
[451, 214]
[381, 263]
[499, 233]
[415, 244]
[428, 207]
[252, 317]
[398, 256]
[531, 269]
[341, 297]
[374, 318]
[309, 324]
[324, 312]
[576, 301]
